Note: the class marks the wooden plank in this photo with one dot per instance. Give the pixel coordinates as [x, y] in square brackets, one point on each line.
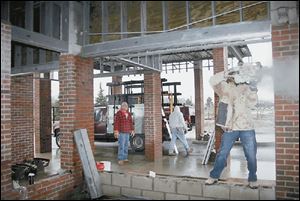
[91, 174]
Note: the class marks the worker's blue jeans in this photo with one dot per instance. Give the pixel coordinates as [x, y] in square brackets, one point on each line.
[250, 148]
[178, 133]
[123, 140]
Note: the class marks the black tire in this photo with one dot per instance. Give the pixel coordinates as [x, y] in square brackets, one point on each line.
[57, 137]
[137, 143]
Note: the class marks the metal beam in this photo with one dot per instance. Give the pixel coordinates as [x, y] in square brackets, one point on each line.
[86, 22]
[196, 39]
[124, 16]
[42, 68]
[38, 40]
[236, 53]
[188, 14]
[104, 12]
[29, 27]
[165, 15]
[133, 63]
[213, 12]
[143, 17]
[118, 73]
[241, 11]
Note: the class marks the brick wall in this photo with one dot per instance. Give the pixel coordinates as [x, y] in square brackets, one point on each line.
[6, 147]
[220, 64]
[153, 116]
[199, 103]
[76, 108]
[22, 117]
[285, 45]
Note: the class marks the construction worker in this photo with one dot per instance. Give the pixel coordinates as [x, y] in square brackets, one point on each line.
[178, 129]
[123, 128]
[237, 91]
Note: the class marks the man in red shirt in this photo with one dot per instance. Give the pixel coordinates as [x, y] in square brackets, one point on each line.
[123, 127]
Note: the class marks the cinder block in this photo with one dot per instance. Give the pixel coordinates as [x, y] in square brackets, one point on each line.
[189, 187]
[200, 198]
[130, 191]
[142, 182]
[216, 191]
[164, 184]
[170, 196]
[105, 178]
[267, 194]
[111, 190]
[243, 193]
[121, 179]
[153, 195]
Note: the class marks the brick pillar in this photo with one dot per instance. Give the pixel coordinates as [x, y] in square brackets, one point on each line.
[36, 112]
[117, 89]
[76, 108]
[153, 116]
[220, 58]
[6, 145]
[45, 113]
[42, 113]
[285, 46]
[22, 117]
[199, 104]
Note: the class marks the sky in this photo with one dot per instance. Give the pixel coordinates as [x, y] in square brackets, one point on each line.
[261, 52]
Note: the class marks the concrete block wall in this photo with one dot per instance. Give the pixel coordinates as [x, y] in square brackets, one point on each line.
[6, 146]
[178, 188]
[285, 46]
[153, 116]
[22, 118]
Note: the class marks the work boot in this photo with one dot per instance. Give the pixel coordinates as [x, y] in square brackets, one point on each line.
[126, 161]
[211, 181]
[189, 151]
[172, 154]
[121, 162]
[253, 184]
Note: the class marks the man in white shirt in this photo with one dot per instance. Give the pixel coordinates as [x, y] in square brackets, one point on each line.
[178, 128]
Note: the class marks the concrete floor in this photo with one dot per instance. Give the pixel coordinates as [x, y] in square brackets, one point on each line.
[191, 166]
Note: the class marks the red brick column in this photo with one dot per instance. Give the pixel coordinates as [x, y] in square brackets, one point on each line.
[45, 113]
[36, 112]
[153, 116]
[76, 108]
[22, 117]
[220, 58]
[199, 104]
[117, 89]
[6, 145]
[285, 45]
[42, 113]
